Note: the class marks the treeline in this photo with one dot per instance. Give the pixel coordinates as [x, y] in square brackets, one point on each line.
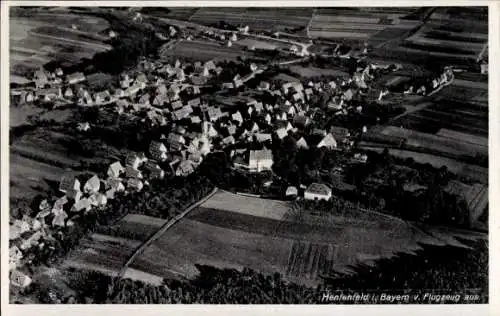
[435, 269]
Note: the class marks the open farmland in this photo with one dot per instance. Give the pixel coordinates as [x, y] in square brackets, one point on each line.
[202, 51]
[29, 178]
[258, 19]
[110, 247]
[43, 37]
[468, 171]
[436, 142]
[357, 24]
[233, 231]
[309, 72]
[469, 118]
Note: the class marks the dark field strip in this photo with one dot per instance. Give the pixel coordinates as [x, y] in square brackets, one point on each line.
[457, 118]
[130, 230]
[432, 125]
[309, 260]
[450, 37]
[264, 226]
[438, 48]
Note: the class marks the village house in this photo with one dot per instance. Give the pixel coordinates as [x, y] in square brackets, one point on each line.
[98, 199]
[50, 94]
[328, 142]
[193, 103]
[209, 130]
[262, 137]
[83, 127]
[361, 158]
[115, 169]
[59, 219]
[40, 78]
[281, 133]
[92, 185]
[75, 78]
[260, 160]
[31, 240]
[182, 113]
[158, 151]
[214, 113]
[102, 97]
[291, 191]
[134, 185]
[59, 204]
[134, 160]
[15, 257]
[68, 93]
[302, 144]
[82, 205]
[68, 182]
[318, 191]
[133, 173]
[114, 184]
[264, 85]
[184, 168]
[20, 279]
[229, 140]
[74, 195]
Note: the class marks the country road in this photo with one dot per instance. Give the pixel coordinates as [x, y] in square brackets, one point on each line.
[162, 230]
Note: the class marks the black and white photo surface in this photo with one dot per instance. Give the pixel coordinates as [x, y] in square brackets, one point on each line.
[245, 155]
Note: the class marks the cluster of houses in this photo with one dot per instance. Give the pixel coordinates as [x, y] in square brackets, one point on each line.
[433, 84]
[76, 198]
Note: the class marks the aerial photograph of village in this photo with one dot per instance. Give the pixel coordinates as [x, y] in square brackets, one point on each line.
[248, 155]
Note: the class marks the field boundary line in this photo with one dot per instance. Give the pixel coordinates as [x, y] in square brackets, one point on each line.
[162, 230]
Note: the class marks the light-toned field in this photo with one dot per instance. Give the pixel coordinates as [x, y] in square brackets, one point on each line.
[19, 115]
[232, 231]
[247, 205]
[29, 178]
[262, 44]
[44, 37]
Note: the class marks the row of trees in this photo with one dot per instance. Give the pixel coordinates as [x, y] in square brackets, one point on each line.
[435, 269]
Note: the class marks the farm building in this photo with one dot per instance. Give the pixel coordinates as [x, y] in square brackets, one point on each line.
[19, 279]
[115, 169]
[317, 191]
